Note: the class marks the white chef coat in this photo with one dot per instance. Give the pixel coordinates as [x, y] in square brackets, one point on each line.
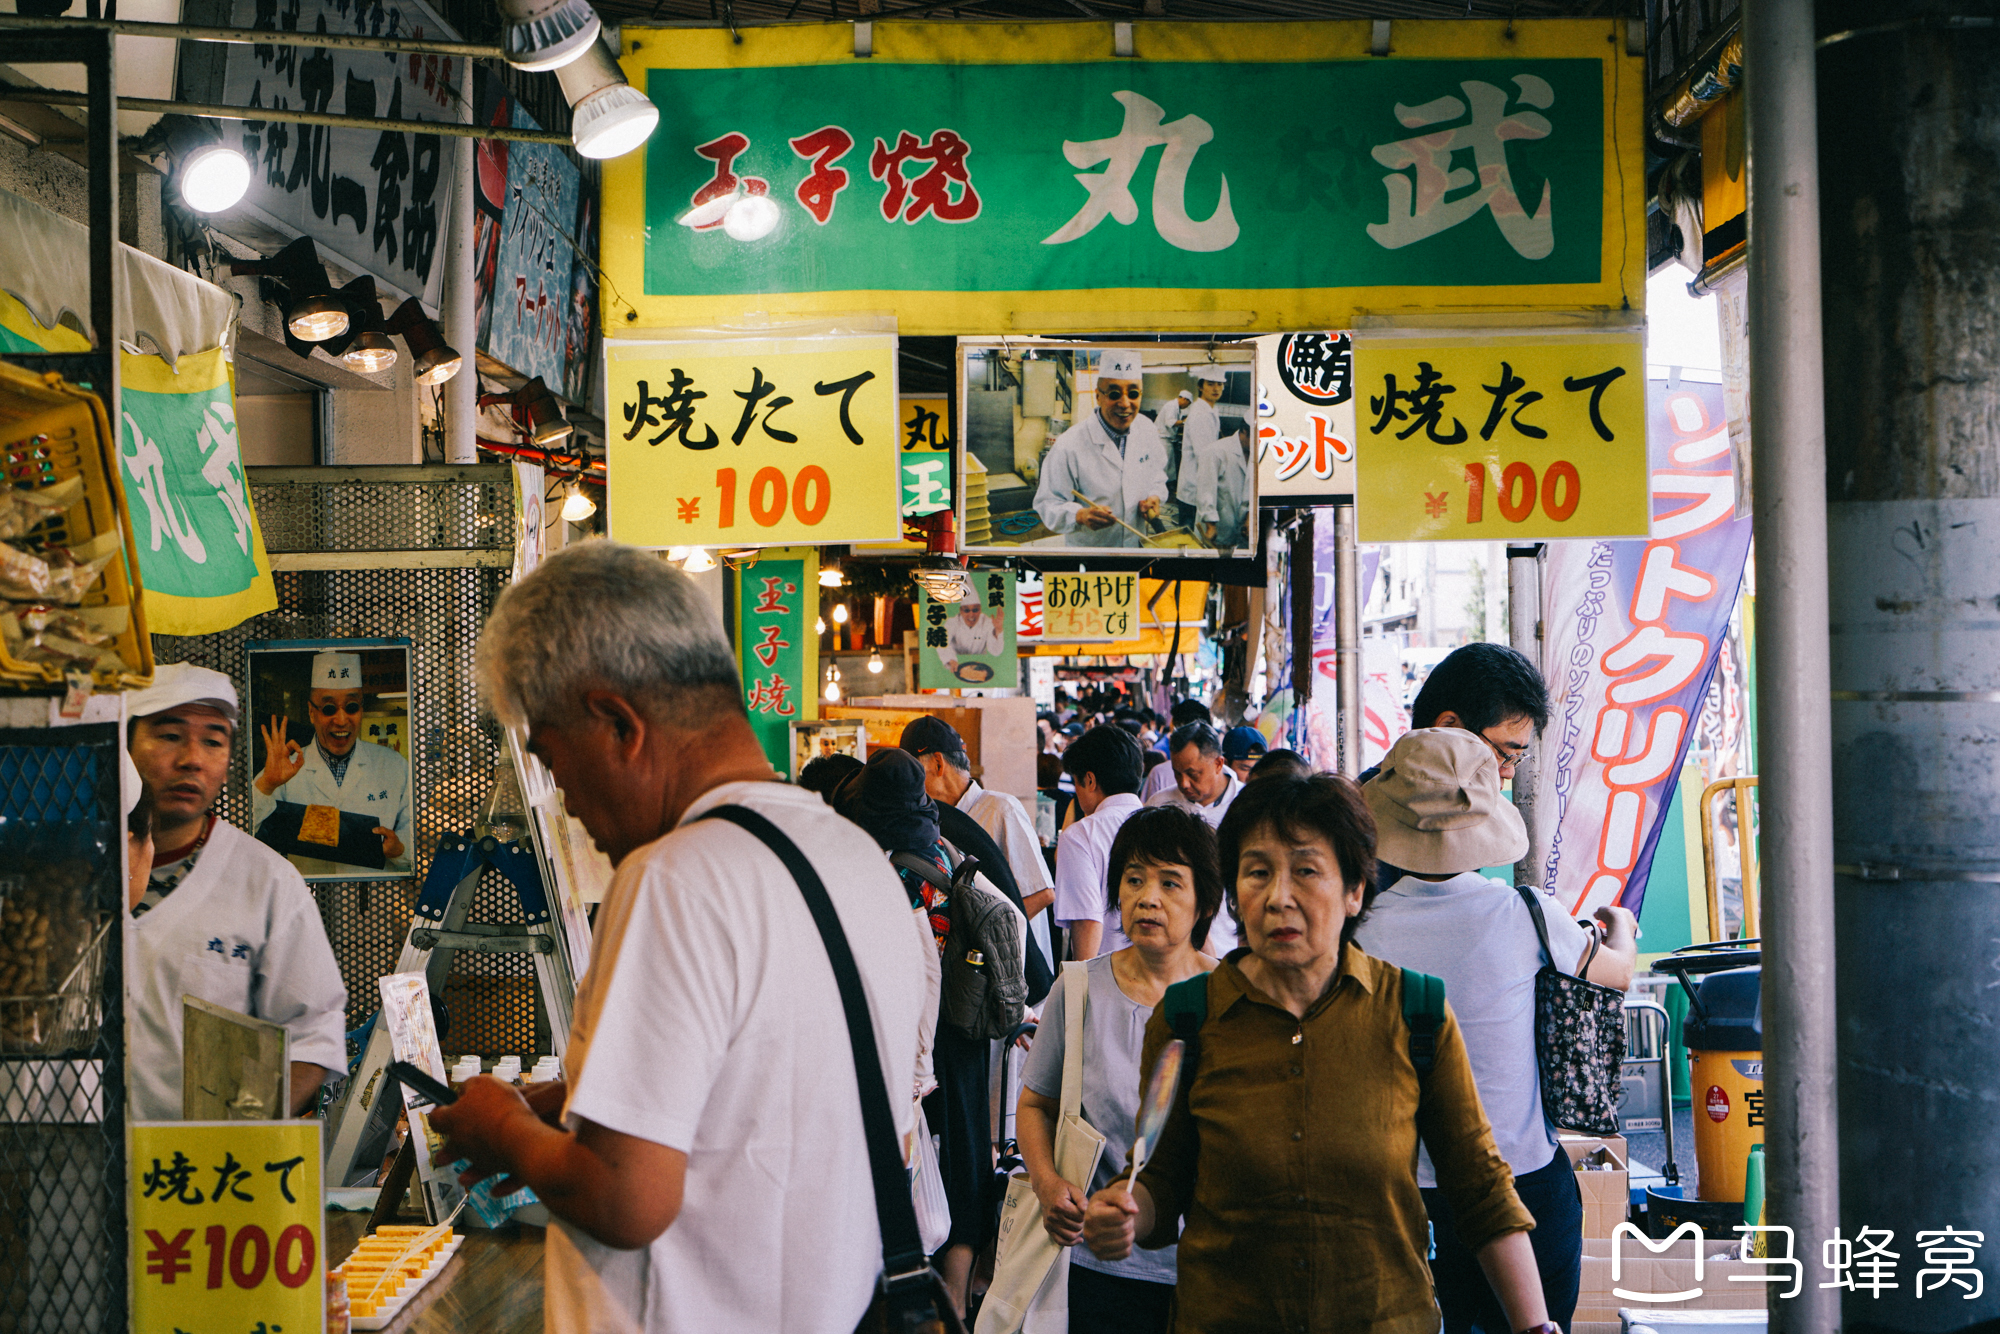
[241, 931]
[1004, 818]
[377, 784]
[710, 1022]
[1225, 497]
[981, 639]
[1200, 429]
[1086, 458]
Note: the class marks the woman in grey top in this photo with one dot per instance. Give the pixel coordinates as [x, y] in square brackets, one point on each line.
[1165, 882]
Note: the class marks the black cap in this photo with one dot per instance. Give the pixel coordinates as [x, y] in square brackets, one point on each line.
[931, 735]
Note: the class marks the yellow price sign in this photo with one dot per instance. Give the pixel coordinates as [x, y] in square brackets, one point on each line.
[226, 1222]
[753, 442]
[1501, 438]
[1090, 608]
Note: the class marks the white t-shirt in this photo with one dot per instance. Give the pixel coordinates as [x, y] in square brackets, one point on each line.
[241, 931]
[710, 1022]
[1477, 936]
[1083, 856]
[1003, 817]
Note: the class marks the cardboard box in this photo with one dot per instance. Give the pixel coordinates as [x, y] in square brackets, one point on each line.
[1643, 1271]
[1604, 1178]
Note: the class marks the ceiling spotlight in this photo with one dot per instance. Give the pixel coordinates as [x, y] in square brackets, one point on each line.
[608, 116]
[840, 613]
[546, 34]
[577, 506]
[875, 662]
[699, 561]
[943, 578]
[313, 313]
[368, 347]
[829, 577]
[211, 175]
[435, 361]
[546, 414]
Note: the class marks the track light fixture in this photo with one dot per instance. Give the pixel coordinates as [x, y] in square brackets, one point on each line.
[546, 34]
[210, 175]
[313, 313]
[365, 346]
[536, 411]
[608, 116]
[577, 506]
[436, 361]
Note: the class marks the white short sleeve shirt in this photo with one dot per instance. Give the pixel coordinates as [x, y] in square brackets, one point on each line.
[710, 1022]
[1083, 857]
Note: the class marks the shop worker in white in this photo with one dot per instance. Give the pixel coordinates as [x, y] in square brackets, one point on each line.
[1204, 785]
[339, 769]
[704, 1160]
[974, 633]
[1114, 457]
[1222, 512]
[222, 917]
[1201, 429]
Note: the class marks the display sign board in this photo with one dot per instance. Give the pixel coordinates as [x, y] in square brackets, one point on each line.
[1501, 438]
[377, 201]
[1305, 417]
[226, 1226]
[1090, 608]
[776, 648]
[993, 178]
[970, 643]
[1094, 446]
[200, 552]
[753, 442]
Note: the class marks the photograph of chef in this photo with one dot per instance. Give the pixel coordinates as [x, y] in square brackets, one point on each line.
[972, 633]
[1222, 507]
[339, 769]
[1201, 431]
[1115, 458]
[1171, 420]
[219, 916]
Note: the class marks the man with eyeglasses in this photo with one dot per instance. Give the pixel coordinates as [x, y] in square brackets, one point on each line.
[339, 769]
[1490, 690]
[1106, 477]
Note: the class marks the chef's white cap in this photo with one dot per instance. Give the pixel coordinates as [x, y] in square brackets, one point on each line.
[178, 683]
[1119, 364]
[336, 671]
[1213, 373]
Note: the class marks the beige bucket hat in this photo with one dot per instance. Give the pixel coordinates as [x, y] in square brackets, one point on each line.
[1438, 808]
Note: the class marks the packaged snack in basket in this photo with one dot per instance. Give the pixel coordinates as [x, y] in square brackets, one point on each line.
[24, 576]
[21, 508]
[65, 637]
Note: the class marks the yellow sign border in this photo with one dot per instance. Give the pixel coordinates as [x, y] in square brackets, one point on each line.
[1222, 310]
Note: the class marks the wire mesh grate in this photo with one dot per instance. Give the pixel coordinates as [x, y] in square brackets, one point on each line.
[62, 1142]
[386, 516]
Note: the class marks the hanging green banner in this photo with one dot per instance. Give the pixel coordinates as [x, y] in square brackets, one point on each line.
[776, 648]
[200, 553]
[990, 178]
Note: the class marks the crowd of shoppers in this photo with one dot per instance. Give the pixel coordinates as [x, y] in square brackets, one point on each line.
[705, 1160]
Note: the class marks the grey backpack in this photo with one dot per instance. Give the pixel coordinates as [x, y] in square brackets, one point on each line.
[985, 983]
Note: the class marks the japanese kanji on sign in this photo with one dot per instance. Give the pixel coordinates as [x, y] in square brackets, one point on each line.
[1305, 416]
[772, 609]
[226, 1220]
[970, 643]
[986, 179]
[1090, 608]
[1500, 438]
[753, 442]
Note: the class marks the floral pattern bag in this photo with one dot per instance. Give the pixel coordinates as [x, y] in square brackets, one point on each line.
[1579, 1038]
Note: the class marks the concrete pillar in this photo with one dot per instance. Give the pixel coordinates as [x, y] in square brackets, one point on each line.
[1911, 270]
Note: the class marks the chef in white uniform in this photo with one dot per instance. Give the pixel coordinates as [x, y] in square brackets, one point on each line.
[221, 917]
[339, 769]
[973, 633]
[1201, 428]
[1224, 508]
[1115, 457]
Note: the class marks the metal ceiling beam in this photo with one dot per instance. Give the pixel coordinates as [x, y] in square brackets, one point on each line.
[456, 129]
[260, 36]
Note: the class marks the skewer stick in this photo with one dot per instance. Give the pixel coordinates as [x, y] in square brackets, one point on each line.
[1114, 518]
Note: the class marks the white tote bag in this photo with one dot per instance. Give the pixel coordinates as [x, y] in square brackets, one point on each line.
[1030, 1289]
[927, 1189]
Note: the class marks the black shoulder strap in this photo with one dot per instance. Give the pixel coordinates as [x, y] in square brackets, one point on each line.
[903, 1258]
[922, 867]
[1534, 902]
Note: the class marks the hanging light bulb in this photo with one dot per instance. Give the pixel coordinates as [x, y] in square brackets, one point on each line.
[577, 506]
[608, 116]
[435, 361]
[840, 613]
[875, 662]
[832, 684]
[313, 313]
[699, 561]
[368, 347]
[830, 577]
[819, 625]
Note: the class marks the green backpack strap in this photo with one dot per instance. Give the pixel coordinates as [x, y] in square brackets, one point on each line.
[1423, 1012]
[1186, 1007]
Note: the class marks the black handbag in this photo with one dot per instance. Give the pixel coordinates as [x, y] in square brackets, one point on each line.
[1579, 1038]
[910, 1297]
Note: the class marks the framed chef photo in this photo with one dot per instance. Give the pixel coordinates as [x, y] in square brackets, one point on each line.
[330, 780]
[1073, 448]
[970, 645]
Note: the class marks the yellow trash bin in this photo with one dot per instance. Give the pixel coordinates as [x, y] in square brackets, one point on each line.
[1726, 1052]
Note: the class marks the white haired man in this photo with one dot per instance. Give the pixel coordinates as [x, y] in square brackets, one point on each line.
[1114, 459]
[711, 1121]
[220, 917]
